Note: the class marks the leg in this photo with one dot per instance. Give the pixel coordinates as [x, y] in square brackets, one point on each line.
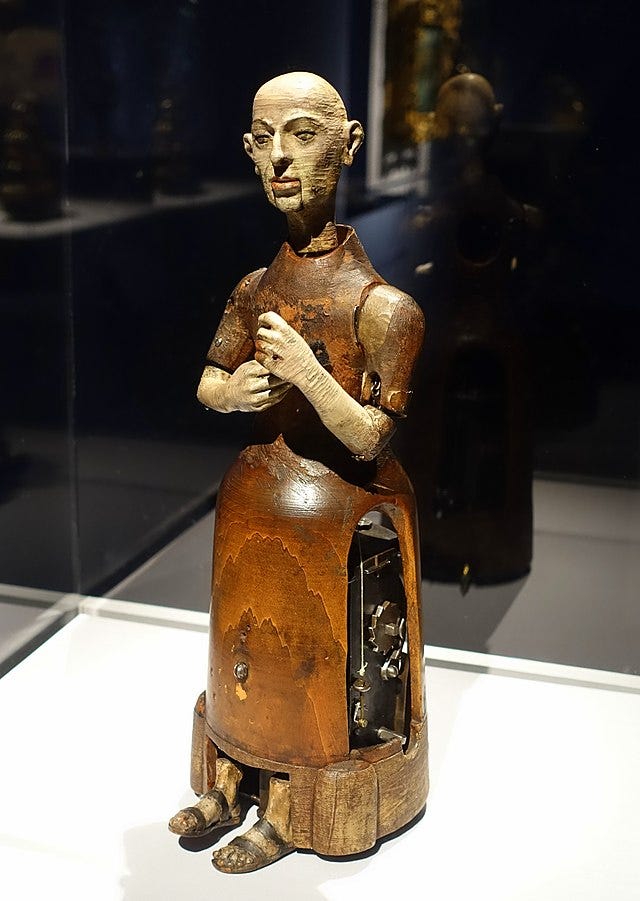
[218, 807]
[267, 841]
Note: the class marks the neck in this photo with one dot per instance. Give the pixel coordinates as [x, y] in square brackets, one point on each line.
[313, 234]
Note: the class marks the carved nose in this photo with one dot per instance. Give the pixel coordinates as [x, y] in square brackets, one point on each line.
[278, 156]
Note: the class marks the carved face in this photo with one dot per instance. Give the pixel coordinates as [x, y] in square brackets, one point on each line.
[300, 139]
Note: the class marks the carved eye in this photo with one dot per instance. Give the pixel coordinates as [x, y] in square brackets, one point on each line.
[305, 135]
[261, 139]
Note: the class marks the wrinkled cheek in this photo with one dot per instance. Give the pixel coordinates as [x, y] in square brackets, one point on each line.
[331, 161]
[268, 190]
[319, 186]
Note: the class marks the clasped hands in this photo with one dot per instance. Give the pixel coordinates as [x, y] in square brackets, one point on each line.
[282, 359]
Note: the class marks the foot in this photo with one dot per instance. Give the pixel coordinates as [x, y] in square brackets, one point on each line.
[257, 848]
[193, 821]
[218, 807]
[189, 821]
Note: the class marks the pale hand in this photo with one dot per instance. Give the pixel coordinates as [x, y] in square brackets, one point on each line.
[252, 388]
[282, 350]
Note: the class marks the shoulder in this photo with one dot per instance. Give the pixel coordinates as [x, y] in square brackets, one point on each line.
[233, 343]
[247, 285]
[386, 311]
[383, 299]
[390, 332]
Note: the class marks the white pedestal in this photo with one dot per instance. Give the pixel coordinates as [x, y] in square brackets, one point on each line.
[535, 780]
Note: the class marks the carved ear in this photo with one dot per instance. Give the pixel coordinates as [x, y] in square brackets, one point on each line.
[353, 141]
[248, 144]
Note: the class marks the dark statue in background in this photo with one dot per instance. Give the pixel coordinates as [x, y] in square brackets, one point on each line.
[469, 441]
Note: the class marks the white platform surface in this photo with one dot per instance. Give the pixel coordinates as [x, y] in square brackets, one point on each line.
[535, 781]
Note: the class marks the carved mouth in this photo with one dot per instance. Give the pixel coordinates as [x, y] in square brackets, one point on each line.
[285, 187]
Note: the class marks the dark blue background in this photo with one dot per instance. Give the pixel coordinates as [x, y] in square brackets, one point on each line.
[104, 451]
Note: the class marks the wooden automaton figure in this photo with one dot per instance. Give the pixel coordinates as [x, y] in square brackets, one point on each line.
[314, 702]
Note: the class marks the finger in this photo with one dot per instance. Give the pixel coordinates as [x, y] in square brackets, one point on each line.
[260, 383]
[266, 360]
[276, 326]
[281, 390]
[269, 401]
[252, 367]
[265, 334]
[271, 320]
[266, 399]
[268, 350]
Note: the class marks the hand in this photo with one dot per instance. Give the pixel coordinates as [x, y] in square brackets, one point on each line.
[282, 350]
[252, 388]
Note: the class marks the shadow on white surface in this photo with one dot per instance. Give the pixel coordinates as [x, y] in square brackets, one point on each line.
[299, 877]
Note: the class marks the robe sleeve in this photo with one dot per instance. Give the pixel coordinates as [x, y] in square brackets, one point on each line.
[233, 343]
[390, 331]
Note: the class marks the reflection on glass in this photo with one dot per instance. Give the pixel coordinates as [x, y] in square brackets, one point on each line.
[412, 50]
[30, 150]
[35, 481]
[472, 450]
[520, 247]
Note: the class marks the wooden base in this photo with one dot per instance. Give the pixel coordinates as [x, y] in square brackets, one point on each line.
[344, 807]
[203, 752]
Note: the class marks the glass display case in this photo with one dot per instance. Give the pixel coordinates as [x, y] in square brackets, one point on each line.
[129, 209]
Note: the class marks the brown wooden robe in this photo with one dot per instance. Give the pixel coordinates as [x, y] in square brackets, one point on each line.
[288, 508]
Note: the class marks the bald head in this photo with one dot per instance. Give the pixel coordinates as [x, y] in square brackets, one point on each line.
[302, 88]
[299, 141]
[466, 106]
